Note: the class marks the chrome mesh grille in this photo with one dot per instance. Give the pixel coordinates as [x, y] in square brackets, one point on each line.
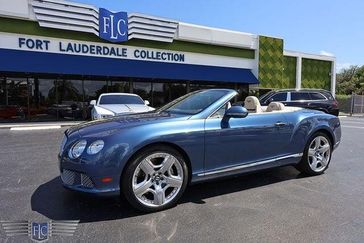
[86, 181]
[73, 178]
[68, 177]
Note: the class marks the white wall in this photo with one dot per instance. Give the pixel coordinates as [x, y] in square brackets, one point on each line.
[214, 36]
[16, 8]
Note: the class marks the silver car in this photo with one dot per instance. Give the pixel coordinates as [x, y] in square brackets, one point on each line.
[112, 104]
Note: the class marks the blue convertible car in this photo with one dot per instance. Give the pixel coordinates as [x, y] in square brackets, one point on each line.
[151, 157]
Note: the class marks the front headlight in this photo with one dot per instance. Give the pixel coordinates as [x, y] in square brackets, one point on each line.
[95, 147]
[77, 149]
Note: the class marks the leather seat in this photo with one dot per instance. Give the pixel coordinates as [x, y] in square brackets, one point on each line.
[252, 104]
[275, 106]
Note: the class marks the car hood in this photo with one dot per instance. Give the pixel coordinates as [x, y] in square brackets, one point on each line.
[123, 121]
[123, 108]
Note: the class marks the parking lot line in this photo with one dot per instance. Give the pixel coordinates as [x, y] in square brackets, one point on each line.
[34, 128]
[355, 122]
[352, 127]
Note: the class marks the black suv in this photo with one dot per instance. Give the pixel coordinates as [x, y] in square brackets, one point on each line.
[316, 99]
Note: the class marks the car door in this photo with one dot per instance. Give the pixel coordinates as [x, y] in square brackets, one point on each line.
[245, 140]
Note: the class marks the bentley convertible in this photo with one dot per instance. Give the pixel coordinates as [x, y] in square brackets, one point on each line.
[150, 158]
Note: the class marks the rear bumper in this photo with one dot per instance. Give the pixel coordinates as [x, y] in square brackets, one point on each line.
[334, 112]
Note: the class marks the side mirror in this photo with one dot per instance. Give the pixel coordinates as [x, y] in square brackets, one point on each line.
[236, 112]
[146, 102]
[93, 102]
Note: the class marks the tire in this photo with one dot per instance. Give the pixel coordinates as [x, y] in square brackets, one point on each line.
[317, 155]
[155, 179]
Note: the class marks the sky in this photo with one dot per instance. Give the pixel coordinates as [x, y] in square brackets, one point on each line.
[331, 27]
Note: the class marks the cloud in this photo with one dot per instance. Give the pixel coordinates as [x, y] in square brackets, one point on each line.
[326, 53]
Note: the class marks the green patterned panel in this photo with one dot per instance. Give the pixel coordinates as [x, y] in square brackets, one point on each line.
[271, 62]
[316, 74]
[289, 71]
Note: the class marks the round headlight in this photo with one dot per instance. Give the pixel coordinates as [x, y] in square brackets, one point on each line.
[95, 147]
[77, 149]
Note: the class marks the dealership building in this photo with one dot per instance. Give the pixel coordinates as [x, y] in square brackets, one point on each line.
[56, 56]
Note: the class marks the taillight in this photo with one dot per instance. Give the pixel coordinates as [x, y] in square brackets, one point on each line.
[335, 103]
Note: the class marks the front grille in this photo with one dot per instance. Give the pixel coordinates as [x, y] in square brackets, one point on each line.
[73, 178]
[86, 181]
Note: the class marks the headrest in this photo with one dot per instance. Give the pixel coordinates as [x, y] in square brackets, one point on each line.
[252, 104]
[275, 106]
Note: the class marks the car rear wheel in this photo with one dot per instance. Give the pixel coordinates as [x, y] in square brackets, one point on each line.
[155, 179]
[317, 155]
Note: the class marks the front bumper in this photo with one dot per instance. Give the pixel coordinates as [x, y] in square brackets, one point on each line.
[86, 178]
[93, 191]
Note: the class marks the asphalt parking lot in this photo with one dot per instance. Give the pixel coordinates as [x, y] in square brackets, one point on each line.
[278, 205]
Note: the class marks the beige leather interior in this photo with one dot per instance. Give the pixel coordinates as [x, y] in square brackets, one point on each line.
[275, 106]
[252, 104]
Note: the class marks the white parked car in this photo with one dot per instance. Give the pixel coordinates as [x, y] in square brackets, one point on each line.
[112, 104]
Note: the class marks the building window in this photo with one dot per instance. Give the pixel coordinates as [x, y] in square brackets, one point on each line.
[94, 88]
[143, 89]
[119, 87]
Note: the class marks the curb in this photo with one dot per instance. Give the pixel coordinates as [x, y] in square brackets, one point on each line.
[37, 126]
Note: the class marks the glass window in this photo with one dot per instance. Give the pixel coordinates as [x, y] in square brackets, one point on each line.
[317, 96]
[327, 94]
[176, 90]
[300, 96]
[70, 99]
[195, 102]
[279, 97]
[93, 89]
[243, 90]
[221, 112]
[142, 89]
[14, 102]
[119, 87]
[201, 85]
[43, 97]
[121, 99]
[159, 94]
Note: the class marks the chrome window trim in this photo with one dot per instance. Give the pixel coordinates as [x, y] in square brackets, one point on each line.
[250, 164]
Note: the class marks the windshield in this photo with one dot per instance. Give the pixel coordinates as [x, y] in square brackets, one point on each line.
[194, 102]
[121, 99]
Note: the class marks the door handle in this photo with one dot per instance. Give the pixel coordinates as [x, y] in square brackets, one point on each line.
[280, 124]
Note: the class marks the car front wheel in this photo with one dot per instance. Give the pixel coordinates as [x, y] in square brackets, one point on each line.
[155, 179]
[317, 155]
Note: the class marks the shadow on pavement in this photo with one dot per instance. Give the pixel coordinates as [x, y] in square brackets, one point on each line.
[57, 203]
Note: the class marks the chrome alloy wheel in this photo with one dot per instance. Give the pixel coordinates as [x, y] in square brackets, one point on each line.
[157, 179]
[319, 153]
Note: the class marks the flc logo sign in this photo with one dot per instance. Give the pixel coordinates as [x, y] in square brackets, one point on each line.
[113, 26]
